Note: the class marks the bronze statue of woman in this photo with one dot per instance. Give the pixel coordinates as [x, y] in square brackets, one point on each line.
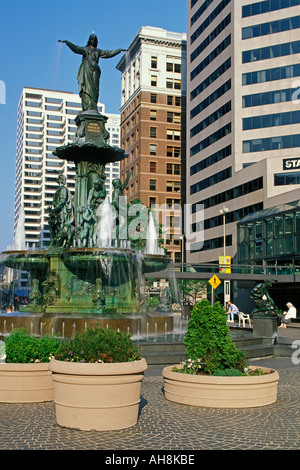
[89, 71]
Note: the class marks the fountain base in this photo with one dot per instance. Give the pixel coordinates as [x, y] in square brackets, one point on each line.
[147, 324]
[82, 281]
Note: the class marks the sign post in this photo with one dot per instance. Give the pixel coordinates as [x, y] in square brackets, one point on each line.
[214, 282]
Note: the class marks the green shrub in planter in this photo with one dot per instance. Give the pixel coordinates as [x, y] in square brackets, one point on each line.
[98, 345]
[209, 347]
[21, 347]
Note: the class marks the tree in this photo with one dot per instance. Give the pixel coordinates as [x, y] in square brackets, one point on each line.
[191, 288]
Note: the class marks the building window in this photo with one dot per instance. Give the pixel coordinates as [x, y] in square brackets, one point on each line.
[173, 186]
[269, 97]
[267, 5]
[154, 62]
[270, 75]
[153, 167]
[153, 132]
[231, 193]
[152, 185]
[284, 179]
[211, 160]
[174, 117]
[153, 98]
[219, 134]
[153, 114]
[173, 152]
[220, 7]
[211, 99]
[211, 180]
[271, 120]
[173, 134]
[153, 80]
[272, 27]
[172, 202]
[271, 52]
[173, 169]
[226, 108]
[173, 83]
[153, 149]
[211, 78]
[212, 56]
[271, 143]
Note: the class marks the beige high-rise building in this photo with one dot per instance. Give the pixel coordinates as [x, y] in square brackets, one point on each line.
[243, 115]
[153, 122]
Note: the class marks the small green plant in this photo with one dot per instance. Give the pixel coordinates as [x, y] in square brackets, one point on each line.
[209, 346]
[21, 347]
[97, 345]
[229, 373]
[152, 302]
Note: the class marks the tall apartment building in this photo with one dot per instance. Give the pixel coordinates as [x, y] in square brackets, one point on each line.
[243, 138]
[45, 121]
[153, 122]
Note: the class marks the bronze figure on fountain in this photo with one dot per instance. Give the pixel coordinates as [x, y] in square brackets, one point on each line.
[89, 71]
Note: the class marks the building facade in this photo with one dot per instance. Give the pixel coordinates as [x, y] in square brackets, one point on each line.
[46, 121]
[243, 111]
[153, 124]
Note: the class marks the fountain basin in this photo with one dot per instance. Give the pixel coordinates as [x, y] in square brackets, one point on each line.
[85, 280]
[26, 260]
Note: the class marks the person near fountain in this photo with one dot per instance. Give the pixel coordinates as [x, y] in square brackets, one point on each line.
[87, 229]
[89, 71]
[231, 311]
[96, 195]
[165, 302]
[287, 316]
[61, 220]
[118, 190]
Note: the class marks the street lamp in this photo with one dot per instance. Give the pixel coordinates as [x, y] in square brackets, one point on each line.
[223, 212]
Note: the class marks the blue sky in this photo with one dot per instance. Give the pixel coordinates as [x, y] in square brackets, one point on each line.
[31, 56]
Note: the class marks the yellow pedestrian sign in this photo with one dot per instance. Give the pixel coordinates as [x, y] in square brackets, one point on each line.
[214, 281]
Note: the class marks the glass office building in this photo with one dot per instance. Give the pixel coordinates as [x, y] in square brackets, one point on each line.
[271, 236]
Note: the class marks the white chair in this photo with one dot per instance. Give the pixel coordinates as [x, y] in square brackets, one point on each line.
[243, 317]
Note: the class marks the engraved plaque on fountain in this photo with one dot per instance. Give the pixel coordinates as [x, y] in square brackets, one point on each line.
[93, 128]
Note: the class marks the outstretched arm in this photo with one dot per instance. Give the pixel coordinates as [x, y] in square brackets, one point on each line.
[108, 54]
[124, 185]
[73, 47]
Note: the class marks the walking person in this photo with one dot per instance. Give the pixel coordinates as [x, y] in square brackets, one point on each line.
[231, 310]
[287, 316]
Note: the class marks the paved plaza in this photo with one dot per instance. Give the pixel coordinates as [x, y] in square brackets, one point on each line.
[167, 426]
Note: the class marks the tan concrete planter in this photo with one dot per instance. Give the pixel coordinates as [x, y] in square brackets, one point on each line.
[25, 383]
[97, 397]
[221, 392]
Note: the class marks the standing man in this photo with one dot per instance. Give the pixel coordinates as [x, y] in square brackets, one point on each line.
[232, 309]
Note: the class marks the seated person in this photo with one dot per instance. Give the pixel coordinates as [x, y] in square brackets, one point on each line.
[232, 309]
[287, 316]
